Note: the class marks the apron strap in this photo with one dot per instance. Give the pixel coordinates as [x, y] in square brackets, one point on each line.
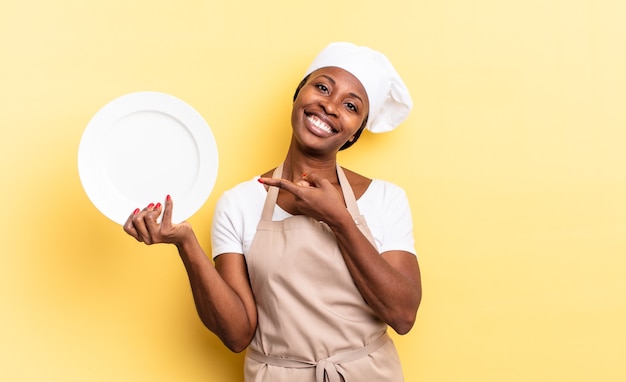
[348, 195]
[326, 370]
[272, 196]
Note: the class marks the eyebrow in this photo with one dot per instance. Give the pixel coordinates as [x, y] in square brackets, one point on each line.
[333, 82]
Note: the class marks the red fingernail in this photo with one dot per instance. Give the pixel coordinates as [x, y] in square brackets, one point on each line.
[136, 211]
[260, 180]
[158, 205]
[168, 198]
[150, 205]
[303, 174]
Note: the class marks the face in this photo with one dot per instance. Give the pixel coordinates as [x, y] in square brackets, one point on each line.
[329, 109]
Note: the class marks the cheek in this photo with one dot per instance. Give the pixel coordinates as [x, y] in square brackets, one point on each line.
[296, 113]
[293, 116]
[356, 121]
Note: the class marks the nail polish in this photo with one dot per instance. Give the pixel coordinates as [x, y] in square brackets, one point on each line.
[150, 205]
[158, 205]
[261, 181]
[168, 198]
[136, 211]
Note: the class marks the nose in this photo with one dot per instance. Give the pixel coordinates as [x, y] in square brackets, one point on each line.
[330, 104]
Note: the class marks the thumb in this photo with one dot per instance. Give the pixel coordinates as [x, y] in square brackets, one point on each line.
[303, 183]
[166, 221]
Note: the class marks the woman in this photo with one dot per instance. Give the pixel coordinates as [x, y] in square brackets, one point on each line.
[312, 261]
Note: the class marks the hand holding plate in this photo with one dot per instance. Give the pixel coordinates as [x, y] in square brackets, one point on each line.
[143, 225]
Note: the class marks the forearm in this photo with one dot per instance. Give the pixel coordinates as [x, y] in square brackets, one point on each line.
[220, 308]
[391, 294]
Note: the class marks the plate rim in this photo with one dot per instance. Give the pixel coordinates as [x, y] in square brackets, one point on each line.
[165, 103]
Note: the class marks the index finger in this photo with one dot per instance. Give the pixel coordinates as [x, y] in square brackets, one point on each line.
[283, 184]
[129, 227]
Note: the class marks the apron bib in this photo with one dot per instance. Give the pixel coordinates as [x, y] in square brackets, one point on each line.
[313, 324]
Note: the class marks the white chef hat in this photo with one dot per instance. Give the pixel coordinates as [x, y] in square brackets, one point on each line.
[389, 98]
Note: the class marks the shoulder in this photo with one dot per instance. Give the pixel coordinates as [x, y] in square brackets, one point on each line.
[370, 189]
[244, 188]
[386, 188]
[386, 209]
[237, 213]
[242, 195]
[367, 187]
[358, 182]
[382, 193]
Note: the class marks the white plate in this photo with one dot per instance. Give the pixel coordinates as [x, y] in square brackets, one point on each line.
[143, 146]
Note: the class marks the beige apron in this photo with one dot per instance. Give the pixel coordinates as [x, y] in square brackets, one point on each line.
[313, 324]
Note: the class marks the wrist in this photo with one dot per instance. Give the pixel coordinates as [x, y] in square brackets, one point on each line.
[187, 242]
[341, 221]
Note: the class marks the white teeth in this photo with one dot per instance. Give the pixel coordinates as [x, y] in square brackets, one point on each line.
[319, 124]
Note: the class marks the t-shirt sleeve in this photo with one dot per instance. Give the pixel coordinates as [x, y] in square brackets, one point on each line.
[396, 222]
[226, 229]
[400, 218]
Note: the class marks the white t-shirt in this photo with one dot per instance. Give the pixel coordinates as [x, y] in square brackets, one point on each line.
[238, 211]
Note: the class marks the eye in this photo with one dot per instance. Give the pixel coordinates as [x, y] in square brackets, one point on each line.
[322, 87]
[351, 107]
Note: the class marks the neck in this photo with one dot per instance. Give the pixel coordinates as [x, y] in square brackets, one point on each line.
[297, 163]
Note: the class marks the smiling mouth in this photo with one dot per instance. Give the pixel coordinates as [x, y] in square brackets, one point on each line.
[315, 121]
